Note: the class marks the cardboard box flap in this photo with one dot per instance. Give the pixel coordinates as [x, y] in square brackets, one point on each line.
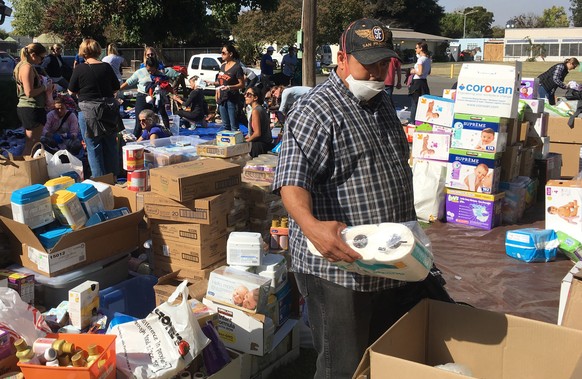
[565, 183]
[363, 370]
[573, 310]
[21, 232]
[106, 227]
[168, 283]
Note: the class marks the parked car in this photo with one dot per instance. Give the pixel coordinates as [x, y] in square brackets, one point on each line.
[7, 63]
[206, 66]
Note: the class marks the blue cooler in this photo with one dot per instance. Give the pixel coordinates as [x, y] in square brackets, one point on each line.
[31, 205]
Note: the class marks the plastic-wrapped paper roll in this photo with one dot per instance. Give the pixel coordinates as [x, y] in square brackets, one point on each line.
[184, 375]
[199, 375]
[388, 250]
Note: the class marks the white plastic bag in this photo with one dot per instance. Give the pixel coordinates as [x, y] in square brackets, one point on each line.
[20, 319]
[162, 344]
[429, 190]
[63, 161]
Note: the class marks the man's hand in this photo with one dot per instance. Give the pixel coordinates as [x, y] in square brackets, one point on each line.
[326, 238]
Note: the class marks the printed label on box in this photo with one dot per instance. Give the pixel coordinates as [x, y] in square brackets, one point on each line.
[473, 171]
[432, 146]
[473, 209]
[57, 260]
[435, 110]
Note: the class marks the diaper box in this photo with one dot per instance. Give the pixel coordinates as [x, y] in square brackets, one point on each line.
[533, 106]
[435, 110]
[485, 133]
[488, 89]
[563, 199]
[474, 171]
[239, 289]
[529, 88]
[473, 209]
[449, 93]
[431, 146]
[434, 128]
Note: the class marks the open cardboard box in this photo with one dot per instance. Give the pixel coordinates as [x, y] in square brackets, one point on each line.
[80, 247]
[572, 314]
[493, 345]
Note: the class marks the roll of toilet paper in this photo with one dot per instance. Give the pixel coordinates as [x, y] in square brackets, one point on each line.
[388, 250]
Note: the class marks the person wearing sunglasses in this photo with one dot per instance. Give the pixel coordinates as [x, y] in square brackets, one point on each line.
[259, 124]
[150, 52]
[230, 80]
[151, 129]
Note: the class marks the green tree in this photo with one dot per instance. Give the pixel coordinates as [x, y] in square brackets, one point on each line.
[576, 9]
[498, 32]
[527, 20]
[28, 16]
[452, 25]
[3, 33]
[554, 17]
[420, 15]
[478, 23]
[334, 16]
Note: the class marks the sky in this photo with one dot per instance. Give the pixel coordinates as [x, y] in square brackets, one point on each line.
[504, 10]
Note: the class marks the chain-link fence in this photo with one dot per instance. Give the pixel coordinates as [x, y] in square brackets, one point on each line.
[170, 56]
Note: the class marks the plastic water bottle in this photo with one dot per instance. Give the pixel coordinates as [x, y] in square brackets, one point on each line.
[175, 129]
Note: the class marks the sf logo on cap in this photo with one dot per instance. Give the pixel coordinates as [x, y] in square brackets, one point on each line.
[376, 34]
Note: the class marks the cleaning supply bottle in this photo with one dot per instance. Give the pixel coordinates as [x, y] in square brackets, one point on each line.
[274, 245]
[78, 360]
[284, 239]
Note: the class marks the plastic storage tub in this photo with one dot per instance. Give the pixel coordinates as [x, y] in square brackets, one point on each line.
[105, 192]
[60, 183]
[134, 297]
[31, 205]
[68, 209]
[51, 234]
[105, 370]
[51, 291]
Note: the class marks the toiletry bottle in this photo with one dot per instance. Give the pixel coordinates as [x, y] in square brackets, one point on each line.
[24, 352]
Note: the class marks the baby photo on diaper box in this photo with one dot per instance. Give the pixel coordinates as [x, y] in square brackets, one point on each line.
[563, 201]
[432, 146]
[484, 140]
[435, 110]
[478, 172]
[529, 88]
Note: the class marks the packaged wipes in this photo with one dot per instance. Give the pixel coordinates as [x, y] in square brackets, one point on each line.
[388, 250]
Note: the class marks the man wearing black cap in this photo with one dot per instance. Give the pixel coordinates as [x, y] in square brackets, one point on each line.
[343, 162]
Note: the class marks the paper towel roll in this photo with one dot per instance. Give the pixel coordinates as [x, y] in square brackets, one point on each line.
[388, 250]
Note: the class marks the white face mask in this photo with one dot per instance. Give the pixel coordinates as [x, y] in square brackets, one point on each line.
[364, 90]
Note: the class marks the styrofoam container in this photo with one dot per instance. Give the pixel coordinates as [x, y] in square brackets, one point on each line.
[244, 249]
[60, 183]
[51, 234]
[105, 192]
[89, 197]
[31, 205]
[51, 291]
[68, 209]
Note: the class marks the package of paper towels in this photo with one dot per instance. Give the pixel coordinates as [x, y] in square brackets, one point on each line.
[388, 250]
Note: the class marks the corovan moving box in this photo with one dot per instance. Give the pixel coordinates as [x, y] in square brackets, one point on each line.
[80, 247]
[492, 345]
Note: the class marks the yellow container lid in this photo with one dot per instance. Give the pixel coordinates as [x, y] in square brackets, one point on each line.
[60, 181]
[62, 197]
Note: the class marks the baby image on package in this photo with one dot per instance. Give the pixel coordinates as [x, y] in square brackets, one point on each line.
[472, 174]
[432, 146]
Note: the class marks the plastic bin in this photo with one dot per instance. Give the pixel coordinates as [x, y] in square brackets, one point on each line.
[134, 297]
[108, 370]
[51, 291]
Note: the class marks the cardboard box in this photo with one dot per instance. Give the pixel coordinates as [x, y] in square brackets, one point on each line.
[510, 163]
[462, 167]
[195, 234]
[473, 209]
[523, 130]
[163, 267]
[194, 180]
[81, 247]
[167, 285]
[464, 121]
[431, 146]
[449, 93]
[21, 283]
[209, 210]
[492, 345]
[559, 131]
[512, 133]
[211, 149]
[547, 169]
[529, 88]
[533, 106]
[258, 192]
[240, 289]
[435, 110]
[540, 124]
[567, 282]
[234, 370]
[570, 153]
[197, 257]
[83, 303]
[488, 89]
[564, 197]
[527, 161]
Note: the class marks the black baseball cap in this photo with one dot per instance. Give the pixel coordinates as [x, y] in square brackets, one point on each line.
[368, 40]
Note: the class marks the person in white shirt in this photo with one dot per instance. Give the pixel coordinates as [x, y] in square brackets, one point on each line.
[289, 64]
[115, 60]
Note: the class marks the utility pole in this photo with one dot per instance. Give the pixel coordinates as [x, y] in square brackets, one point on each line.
[308, 61]
[465, 20]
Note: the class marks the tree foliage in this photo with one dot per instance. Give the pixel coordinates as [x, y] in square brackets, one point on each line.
[497, 32]
[527, 20]
[28, 15]
[576, 9]
[554, 17]
[420, 15]
[478, 23]
[452, 25]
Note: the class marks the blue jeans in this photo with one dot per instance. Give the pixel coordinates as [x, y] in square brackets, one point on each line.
[228, 114]
[344, 322]
[543, 94]
[102, 151]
